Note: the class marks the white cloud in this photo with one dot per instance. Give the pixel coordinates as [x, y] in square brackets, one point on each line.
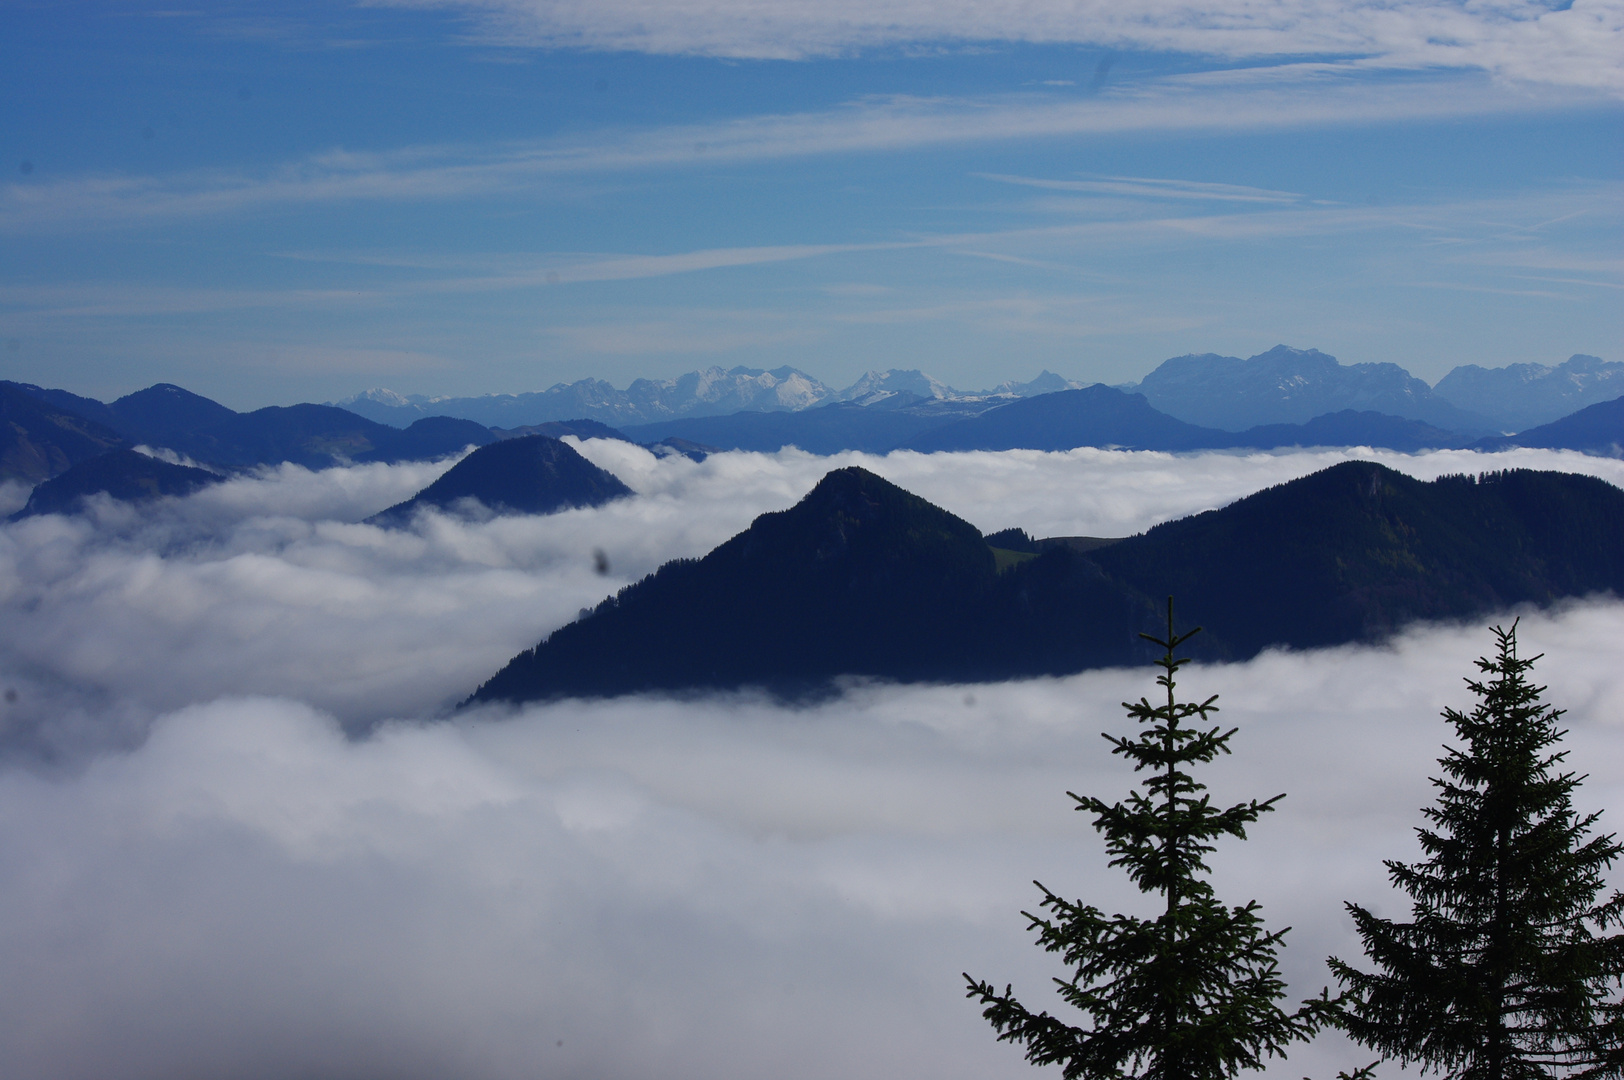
[705, 889]
[1575, 44]
[212, 879]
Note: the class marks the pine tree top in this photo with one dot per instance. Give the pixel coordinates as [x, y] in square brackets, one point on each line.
[1193, 993]
[1503, 972]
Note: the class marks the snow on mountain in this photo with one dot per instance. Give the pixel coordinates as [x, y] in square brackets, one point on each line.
[1047, 382]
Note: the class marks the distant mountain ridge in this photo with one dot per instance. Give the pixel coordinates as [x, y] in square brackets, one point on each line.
[1291, 386]
[1104, 416]
[713, 391]
[862, 578]
[1284, 385]
[1521, 396]
[171, 417]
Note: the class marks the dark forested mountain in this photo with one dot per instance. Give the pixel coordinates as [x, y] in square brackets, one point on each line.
[316, 436]
[863, 578]
[39, 439]
[1598, 429]
[860, 577]
[533, 474]
[1521, 396]
[1291, 386]
[123, 474]
[1357, 550]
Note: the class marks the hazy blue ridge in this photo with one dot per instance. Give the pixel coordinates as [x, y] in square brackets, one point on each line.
[1596, 429]
[1291, 386]
[827, 429]
[862, 578]
[123, 474]
[315, 436]
[579, 427]
[1093, 416]
[532, 474]
[1521, 396]
[1352, 427]
[39, 439]
[1105, 416]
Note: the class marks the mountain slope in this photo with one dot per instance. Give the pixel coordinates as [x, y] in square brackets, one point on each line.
[862, 578]
[1597, 429]
[123, 474]
[39, 440]
[532, 474]
[1358, 550]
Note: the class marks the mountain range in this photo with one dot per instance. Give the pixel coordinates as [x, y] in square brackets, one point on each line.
[47, 431]
[1291, 386]
[711, 392]
[316, 436]
[861, 578]
[1282, 385]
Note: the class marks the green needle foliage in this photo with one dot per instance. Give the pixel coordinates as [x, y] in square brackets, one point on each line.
[1501, 974]
[1190, 994]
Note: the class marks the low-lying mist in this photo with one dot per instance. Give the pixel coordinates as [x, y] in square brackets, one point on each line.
[242, 833]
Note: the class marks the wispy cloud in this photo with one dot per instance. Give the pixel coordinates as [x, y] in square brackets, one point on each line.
[869, 126]
[1145, 187]
[1528, 40]
[1487, 238]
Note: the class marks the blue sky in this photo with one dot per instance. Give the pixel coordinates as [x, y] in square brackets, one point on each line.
[275, 202]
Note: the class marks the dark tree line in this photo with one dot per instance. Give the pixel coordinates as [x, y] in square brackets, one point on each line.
[1505, 971]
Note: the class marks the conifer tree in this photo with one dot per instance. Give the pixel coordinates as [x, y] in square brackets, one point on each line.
[1191, 993]
[1501, 974]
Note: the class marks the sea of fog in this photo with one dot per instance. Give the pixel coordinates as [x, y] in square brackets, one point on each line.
[243, 832]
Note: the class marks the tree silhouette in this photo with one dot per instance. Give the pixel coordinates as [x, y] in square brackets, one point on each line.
[1500, 975]
[1191, 994]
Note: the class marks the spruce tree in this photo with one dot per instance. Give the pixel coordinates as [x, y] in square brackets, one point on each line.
[1191, 993]
[1501, 974]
